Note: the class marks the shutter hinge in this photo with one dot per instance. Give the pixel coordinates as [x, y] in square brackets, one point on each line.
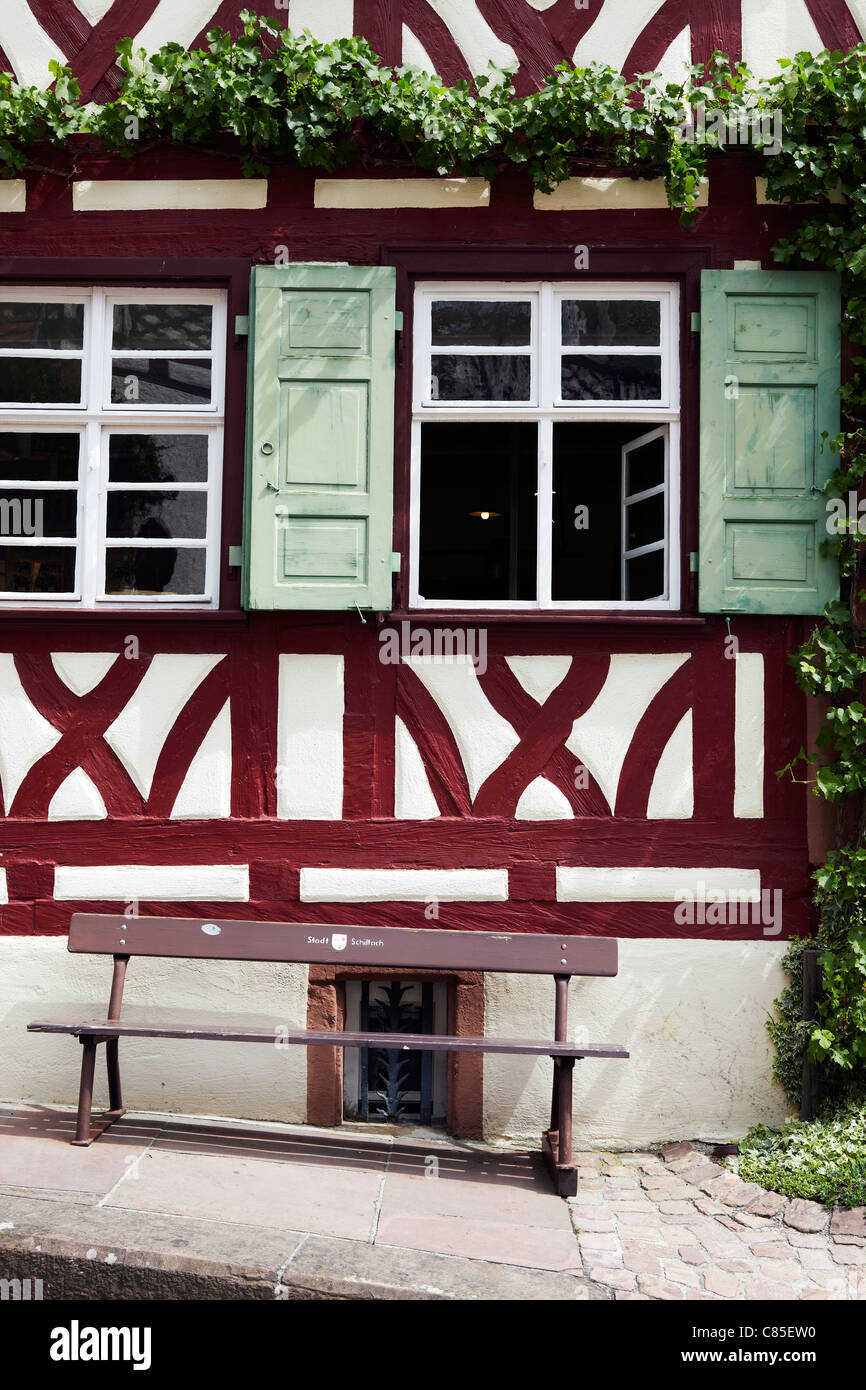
[398, 321]
[242, 325]
[395, 561]
[236, 556]
[696, 323]
[693, 561]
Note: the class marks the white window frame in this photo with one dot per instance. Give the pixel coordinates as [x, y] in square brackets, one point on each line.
[545, 408]
[97, 418]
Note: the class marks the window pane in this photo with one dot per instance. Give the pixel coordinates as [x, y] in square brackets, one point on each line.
[160, 381]
[59, 326]
[37, 569]
[158, 571]
[478, 511]
[161, 327]
[157, 458]
[38, 513]
[480, 378]
[611, 322]
[597, 377]
[481, 323]
[40, 380]
[645, 466]
[645, 522]
[42, 458]
[645, 576]
[158, 515]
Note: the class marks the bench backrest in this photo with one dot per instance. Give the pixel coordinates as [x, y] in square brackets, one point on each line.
[394, 947]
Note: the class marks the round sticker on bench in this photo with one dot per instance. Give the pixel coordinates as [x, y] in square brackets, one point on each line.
[211, 928]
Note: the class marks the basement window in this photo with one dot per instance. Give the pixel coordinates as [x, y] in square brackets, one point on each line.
[545, 462]
[385, 1085]
[111, 422]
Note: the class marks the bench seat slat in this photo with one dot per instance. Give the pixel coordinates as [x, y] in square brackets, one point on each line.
[421, 1042]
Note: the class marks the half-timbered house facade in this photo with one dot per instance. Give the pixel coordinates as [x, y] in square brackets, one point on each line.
[392, 549]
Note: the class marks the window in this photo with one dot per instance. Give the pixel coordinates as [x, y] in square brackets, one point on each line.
[382, 1084]
[545, 452]
[111, 413]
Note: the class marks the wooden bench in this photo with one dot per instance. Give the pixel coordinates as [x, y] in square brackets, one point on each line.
[301, 943]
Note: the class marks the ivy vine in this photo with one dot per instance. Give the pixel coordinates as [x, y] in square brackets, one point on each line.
[270, 96]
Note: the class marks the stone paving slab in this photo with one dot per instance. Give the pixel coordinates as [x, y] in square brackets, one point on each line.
[332, 1201]
[172, 1207]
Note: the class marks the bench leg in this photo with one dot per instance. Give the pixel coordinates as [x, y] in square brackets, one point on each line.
[86, 1128]
[85, 1091]
[566, 1072]
[556, 1144]
[554, 1099]
[112, 1065]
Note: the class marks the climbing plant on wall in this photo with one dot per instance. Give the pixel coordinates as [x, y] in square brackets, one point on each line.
[271, 96]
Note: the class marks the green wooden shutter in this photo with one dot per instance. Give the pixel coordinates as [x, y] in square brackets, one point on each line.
[320, 430]
[770, 353]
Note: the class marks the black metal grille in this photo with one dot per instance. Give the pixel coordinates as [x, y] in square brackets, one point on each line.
[395, 1085]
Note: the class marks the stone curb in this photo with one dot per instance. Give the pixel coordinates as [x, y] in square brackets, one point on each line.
[99, 1253]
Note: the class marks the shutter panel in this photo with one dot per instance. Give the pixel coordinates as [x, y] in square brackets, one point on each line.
[770, 355]
[320, 431]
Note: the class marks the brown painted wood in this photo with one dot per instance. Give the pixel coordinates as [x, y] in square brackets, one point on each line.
[85, 1091]
[301, 942]
[564, 1176]
[413, 1042]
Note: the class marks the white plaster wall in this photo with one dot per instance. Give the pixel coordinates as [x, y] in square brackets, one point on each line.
[40, 979]
[691, 1013]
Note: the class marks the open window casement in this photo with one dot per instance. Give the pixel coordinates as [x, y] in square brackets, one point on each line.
[320, 424]
[770, 365]
[645, 474]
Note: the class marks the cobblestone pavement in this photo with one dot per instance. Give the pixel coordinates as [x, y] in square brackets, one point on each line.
[678, 1226]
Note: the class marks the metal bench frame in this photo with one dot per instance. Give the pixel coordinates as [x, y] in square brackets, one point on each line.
[314, 943]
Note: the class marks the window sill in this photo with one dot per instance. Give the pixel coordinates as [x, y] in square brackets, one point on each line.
[126, 615]
[471, 617]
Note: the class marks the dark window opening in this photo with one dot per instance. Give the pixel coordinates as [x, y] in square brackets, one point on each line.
[478, 511]
[608, 518]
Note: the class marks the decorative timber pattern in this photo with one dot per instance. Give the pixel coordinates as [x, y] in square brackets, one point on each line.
[452, 37]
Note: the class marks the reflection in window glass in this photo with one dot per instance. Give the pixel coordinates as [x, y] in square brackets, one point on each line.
[160, 381]
[39, 458]
[481, 323]
[645, 576]
[59, 327]
[162, 327]
[608, 377]
[158, 515]
[151, 571]
[490, 378]
[611, 322]
[645, 522]
[40, 380]
[645, 467]
[52, 513]
[31, 569]
[157, 458]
